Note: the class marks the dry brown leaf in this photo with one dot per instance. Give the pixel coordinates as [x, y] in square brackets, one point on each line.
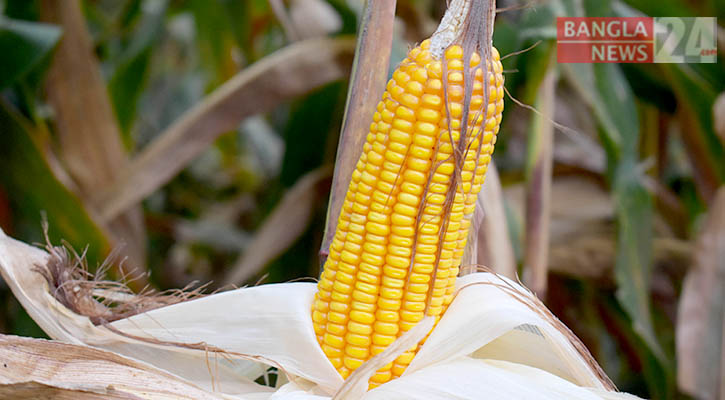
[582, 230]
[35, 368]
[284, 75]
[701, 312]
[35, 390]
[489, 235]
[592, 254]
[704, 168]
[372, 59]
[313, 18]
[284, 20]
[306, 19]
[90, 141]
[283, 226]
[538, 190]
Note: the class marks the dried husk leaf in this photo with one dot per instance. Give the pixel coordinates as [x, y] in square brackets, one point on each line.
[35, 368]
[34, 390]
[20, 267]
[218, 341]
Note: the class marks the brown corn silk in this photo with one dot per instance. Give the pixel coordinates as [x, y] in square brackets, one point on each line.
[403, 226]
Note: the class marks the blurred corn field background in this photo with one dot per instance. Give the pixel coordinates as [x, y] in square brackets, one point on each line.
[196, 140]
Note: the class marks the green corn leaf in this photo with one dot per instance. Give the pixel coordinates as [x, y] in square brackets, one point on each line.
[23, 45]
[702, 144]
[129, 76]
[34, 190]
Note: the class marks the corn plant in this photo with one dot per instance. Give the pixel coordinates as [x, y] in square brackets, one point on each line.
[193, 142]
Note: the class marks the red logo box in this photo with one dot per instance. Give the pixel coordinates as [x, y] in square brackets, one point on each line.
[605, 40]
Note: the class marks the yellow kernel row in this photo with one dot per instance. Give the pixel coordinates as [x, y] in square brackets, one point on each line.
[394, 246]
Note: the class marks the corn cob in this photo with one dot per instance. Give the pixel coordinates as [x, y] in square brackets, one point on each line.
[403, 226]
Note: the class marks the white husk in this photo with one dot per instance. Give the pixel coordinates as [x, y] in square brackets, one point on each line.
[468, 378]
[271, 322]
[482, 345]
[484, 311]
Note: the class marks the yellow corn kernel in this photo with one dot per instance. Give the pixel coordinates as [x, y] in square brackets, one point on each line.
[393, 260]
